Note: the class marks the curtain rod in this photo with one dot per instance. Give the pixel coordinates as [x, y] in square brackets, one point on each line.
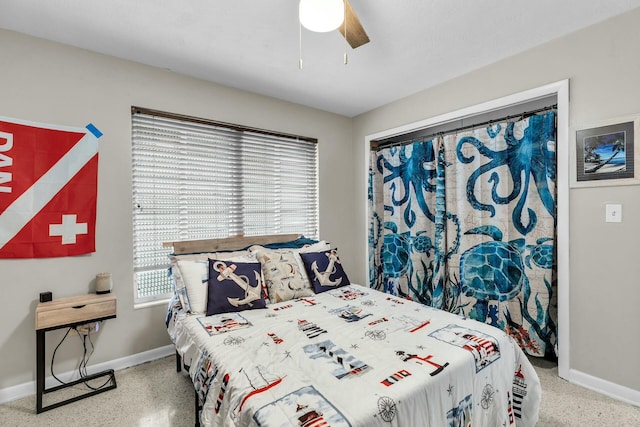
[380, 144]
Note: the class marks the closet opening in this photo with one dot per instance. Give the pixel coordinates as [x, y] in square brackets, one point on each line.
[425, 245]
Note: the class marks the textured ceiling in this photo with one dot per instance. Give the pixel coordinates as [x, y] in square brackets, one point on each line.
[253, 44]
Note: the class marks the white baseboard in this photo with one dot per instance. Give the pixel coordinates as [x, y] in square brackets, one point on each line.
[605, 387]
[22, 390]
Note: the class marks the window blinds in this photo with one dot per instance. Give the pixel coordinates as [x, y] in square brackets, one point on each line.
[194, 179]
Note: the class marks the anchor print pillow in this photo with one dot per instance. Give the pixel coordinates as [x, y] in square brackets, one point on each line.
[234, 286]
[191, 272]
[284, 275]
[324, 270]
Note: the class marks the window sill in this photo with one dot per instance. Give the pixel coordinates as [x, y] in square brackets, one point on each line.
[151, 303]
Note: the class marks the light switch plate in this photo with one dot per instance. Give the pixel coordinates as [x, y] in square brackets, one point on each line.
[613, 212]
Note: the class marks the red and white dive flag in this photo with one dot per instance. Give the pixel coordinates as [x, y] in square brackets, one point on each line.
[48, 189]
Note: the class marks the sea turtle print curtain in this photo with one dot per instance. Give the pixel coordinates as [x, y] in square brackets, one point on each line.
[466, 222]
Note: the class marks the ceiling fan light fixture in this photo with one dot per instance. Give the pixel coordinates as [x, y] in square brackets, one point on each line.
[321, 16]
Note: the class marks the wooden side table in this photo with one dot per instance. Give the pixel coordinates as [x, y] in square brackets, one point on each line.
[68, 313]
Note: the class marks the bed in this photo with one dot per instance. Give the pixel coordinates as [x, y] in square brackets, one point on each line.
[339, 355]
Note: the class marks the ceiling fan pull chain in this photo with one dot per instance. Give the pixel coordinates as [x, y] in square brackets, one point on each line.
[300, 45]
[346, 58]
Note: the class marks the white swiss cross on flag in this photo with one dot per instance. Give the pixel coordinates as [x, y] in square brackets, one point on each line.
[48, 189]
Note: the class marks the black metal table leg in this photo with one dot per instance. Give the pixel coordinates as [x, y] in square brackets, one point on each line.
[39, 369]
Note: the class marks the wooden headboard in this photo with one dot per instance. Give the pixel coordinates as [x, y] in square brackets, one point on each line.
[226, 244]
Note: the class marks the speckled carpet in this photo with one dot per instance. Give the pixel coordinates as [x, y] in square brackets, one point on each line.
[153, 394]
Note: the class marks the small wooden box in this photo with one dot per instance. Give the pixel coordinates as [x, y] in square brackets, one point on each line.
[83, 308]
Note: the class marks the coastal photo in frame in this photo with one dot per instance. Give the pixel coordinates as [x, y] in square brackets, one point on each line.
[606, 154]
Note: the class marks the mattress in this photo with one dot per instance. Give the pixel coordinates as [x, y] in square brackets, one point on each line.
[353, 356]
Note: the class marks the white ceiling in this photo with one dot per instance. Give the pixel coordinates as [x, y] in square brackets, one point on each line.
[253, 44]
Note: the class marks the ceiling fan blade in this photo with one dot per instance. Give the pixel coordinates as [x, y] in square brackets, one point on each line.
[355, 34]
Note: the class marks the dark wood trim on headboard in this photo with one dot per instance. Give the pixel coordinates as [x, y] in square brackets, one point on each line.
[226, 244]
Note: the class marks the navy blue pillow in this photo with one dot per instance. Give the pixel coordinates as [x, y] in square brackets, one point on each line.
[234, 286]
[324, 270]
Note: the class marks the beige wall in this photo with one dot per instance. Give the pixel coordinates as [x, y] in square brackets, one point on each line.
[51, 83]
[603, 67]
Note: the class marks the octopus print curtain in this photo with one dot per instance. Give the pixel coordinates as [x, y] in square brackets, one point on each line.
[465, 222]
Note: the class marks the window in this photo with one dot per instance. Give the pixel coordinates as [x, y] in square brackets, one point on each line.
[198, 179]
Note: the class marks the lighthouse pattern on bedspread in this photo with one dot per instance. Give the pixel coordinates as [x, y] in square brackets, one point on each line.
[402, 364]
[465, 222]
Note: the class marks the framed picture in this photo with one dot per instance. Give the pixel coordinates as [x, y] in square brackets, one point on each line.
[606, 154]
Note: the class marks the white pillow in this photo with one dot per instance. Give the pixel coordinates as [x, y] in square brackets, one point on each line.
[195, 276]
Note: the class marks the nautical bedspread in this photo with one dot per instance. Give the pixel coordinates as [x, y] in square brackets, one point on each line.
[354, 356]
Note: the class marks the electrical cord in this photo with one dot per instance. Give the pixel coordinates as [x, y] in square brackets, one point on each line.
[88, 337]
[54, 356]
[82, 367]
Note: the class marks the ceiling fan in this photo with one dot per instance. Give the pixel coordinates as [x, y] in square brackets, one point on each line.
[328, 15]
[352, 29]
